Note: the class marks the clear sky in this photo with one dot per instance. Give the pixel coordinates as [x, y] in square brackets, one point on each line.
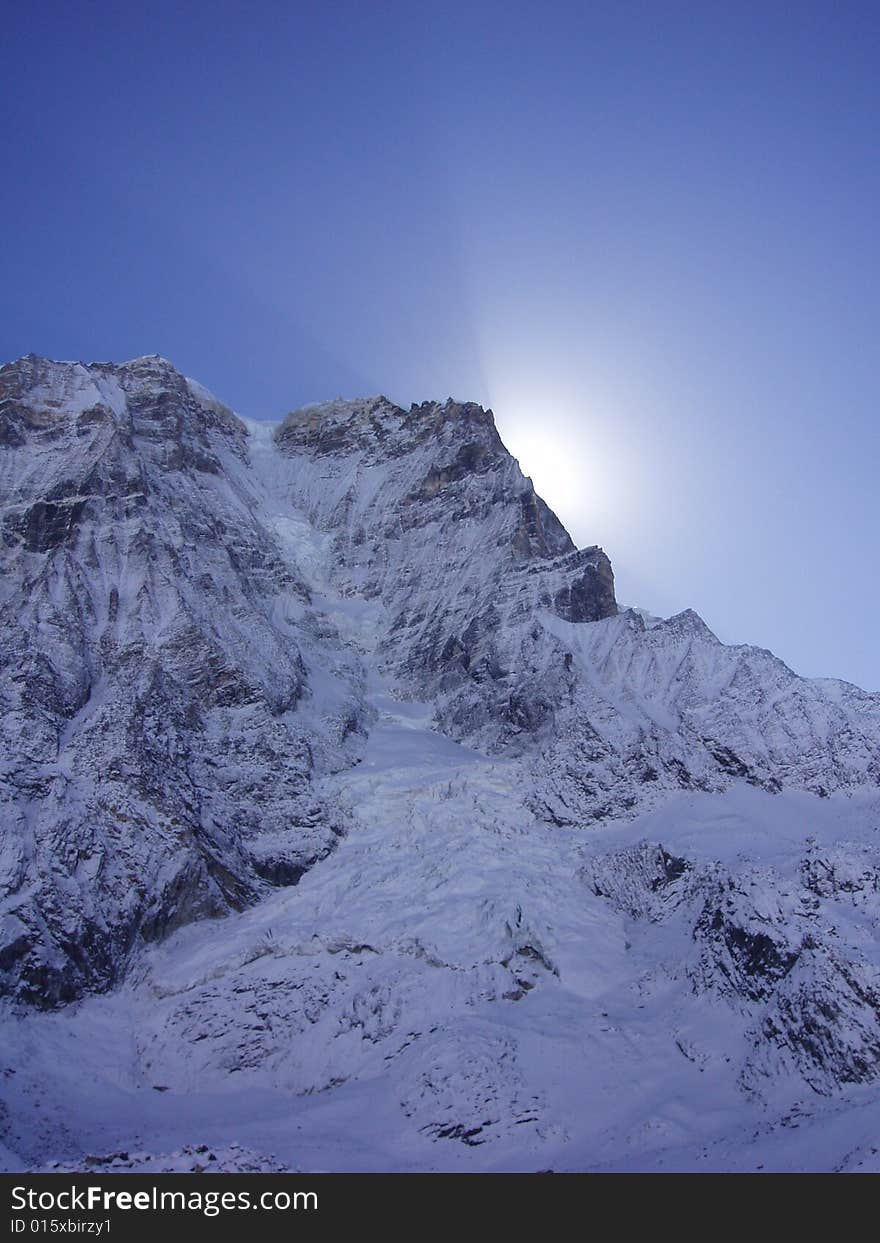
[645, 233]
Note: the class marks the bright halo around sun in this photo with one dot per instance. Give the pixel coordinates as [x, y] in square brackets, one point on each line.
[561, 453]
[556, 469]
[575, 451]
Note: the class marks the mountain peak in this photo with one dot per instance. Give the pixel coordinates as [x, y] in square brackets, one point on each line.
[689, 622]
[378, 428]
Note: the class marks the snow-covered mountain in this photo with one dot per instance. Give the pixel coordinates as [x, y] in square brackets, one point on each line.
[344, 813]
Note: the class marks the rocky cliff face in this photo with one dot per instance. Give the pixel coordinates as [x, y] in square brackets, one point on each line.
[350, 678]
[158, 738]
[163, 570]
[432, 522]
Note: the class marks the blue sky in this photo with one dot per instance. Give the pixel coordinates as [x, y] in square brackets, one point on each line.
[644, 233]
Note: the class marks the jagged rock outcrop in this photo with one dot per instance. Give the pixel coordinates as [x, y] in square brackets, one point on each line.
[432, 520]
[793, 965]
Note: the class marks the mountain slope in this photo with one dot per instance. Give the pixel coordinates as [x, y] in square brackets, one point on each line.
[513, 871]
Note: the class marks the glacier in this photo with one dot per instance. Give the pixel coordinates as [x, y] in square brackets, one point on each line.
[349, 823]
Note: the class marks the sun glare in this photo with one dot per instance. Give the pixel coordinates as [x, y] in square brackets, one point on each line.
[575, 450]
[558, 474]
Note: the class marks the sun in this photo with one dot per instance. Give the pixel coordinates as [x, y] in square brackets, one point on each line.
[575, 448]
[557, 471]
